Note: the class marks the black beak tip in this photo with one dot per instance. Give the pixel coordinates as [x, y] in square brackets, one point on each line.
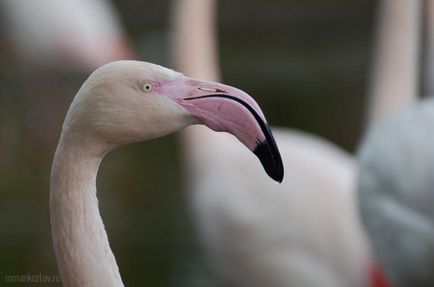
[277, 174]
[266, 150]
[270, 158]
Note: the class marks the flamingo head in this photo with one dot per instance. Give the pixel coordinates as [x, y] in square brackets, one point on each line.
[130, 101]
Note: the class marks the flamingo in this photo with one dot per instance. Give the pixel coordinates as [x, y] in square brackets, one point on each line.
[56, 43]
[69, 33]
[396, 194]
[394, 76]
[304, 232]
[395, 183]
[120, 103]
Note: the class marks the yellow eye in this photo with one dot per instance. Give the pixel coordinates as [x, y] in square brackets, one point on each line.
[147, 86]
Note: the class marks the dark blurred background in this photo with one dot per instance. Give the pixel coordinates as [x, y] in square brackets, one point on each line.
[306, 62]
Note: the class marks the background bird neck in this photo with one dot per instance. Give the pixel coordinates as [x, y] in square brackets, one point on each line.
[198, 61]
[80, 241]
[394, 80]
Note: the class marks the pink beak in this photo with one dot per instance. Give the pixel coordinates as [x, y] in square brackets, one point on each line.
[228, 109]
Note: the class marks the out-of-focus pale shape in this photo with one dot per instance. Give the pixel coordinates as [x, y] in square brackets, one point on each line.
[53, 42]
[428, 61]
[395, 182]
[394, 78]
[303, 232]
[70, 33]
[191, 18]
[396, 190]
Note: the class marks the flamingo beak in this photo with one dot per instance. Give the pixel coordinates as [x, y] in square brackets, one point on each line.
[228, 109]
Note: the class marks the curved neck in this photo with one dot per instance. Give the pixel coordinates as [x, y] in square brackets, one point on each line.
[80, 241]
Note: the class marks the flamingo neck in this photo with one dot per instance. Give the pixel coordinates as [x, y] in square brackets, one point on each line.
[394, 82]
[80, 241]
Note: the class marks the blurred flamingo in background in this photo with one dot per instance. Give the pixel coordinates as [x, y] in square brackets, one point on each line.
[304, 232]
[394, 76]
[65, 34]
[56, 43]
[395, 182]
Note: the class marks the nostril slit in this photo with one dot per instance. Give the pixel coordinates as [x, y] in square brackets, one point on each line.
[206, 89]
[211, 90]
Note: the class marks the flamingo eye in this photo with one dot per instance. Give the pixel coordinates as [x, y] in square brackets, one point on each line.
[147, 86]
